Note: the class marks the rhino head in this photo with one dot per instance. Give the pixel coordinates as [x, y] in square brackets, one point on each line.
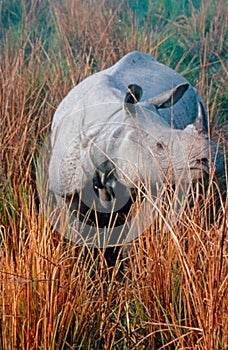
[143, 148]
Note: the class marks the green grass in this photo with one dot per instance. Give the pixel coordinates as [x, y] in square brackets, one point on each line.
[52, 294]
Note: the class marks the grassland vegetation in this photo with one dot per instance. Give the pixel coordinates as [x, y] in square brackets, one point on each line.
[53, 295]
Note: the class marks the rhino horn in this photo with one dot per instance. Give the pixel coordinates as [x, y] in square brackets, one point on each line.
[170, 97]
[200, 122]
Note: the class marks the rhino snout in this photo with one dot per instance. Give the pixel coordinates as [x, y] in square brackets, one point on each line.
[201, 163]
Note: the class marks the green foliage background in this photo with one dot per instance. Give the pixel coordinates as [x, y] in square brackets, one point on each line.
[193, 33]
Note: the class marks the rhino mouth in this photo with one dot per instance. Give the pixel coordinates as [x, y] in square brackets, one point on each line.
[201, 165]
[200, 170]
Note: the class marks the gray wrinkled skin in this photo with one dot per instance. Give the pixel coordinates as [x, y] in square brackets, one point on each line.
[135, 122]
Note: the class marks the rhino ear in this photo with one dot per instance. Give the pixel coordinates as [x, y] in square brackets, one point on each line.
[134, 94]
[170, 97]
[201, 120]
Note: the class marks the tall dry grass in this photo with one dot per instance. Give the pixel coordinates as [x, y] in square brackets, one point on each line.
[54, 295]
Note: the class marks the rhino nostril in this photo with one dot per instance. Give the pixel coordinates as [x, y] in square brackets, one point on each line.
[203, 161]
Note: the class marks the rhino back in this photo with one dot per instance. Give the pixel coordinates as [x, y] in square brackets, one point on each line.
[110, 85]
[154, 79]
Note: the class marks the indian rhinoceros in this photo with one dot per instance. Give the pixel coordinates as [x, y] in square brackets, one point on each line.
[131, 129]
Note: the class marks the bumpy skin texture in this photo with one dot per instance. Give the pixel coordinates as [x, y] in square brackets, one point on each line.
[137, 120]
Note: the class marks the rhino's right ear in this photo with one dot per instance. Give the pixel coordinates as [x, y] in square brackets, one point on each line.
[170, 97]
[132, 97]
[134, 94]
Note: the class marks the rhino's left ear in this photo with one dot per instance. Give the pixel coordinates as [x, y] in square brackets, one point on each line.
[170, 97]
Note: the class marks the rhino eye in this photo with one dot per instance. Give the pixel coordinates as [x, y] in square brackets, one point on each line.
[160, 146]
